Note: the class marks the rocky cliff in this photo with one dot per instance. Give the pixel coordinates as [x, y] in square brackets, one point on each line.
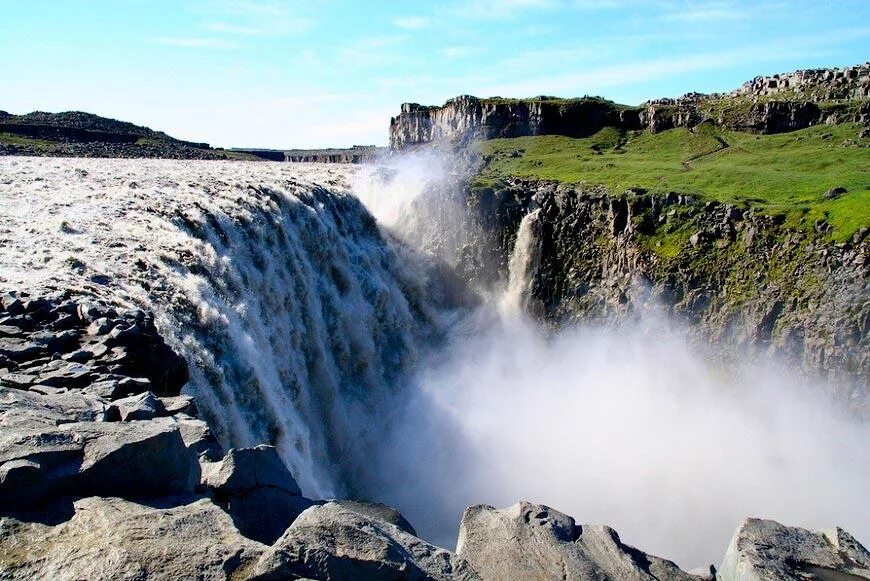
[766, 104]
[467, 118]
[742, 280]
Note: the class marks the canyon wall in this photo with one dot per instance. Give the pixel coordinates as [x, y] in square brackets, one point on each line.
[744, 281]
[773, 104]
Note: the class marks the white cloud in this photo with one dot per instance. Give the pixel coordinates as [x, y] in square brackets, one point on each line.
[457, 52]
[257, 18]
[412, 22]
[193, 42]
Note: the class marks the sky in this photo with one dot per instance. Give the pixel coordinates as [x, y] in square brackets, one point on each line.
[319, 73]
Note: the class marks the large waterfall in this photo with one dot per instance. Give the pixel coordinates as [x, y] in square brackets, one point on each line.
[315, 313]
[298, 317]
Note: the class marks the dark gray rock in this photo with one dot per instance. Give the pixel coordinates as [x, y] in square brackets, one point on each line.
[333, 542]
[77, 453]
[764, 550]
[145, 406]
[380, 512]
[246, 469]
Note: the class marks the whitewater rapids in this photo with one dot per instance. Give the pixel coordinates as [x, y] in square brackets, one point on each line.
[313, 319]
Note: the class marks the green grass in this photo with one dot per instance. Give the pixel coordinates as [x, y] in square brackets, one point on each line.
[786, 174]
[12, 139]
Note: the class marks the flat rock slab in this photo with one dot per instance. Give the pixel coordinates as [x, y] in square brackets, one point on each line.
[69, 453]
[532, 541]
[111, 538]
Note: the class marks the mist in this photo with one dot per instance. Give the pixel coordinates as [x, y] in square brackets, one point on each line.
[626, 426]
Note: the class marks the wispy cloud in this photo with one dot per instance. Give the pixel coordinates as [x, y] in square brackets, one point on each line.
[371, 51]
[256, 18]
[503, 9]
[413, 22]
[193, 42]
[599, 79]
[458, 52]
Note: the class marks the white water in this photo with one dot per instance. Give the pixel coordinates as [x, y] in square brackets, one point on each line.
[521, 266]
[307, 328]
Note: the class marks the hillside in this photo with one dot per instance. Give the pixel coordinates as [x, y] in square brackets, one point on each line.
[79, 134]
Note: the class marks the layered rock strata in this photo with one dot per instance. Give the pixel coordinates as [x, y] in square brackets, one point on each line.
[741, 279]
[774, 104]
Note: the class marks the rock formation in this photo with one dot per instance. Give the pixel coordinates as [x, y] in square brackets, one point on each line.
[766, 105]
[601, 259]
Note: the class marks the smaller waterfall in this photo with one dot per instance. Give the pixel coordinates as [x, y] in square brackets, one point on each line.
[522, 265]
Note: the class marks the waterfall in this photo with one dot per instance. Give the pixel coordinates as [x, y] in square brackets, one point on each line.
[521, 266]
[298, 318]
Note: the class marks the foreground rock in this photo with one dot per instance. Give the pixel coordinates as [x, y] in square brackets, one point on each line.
[531, 541]
[257, 490]
[764, 550]
[110, 538]
[51, 445]
[333, 542]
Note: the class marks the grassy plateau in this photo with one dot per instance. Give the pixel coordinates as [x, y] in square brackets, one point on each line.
[787, 174]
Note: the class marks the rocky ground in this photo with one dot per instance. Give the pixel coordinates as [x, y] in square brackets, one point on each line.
[107, 473]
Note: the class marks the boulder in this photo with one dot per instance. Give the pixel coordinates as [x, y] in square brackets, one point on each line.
[246, 469]
[531, 541]
[51, 445]
[380, 512]
[145, 406]
[765, 550]
[333, 542]
[111, 538]
[248, 479]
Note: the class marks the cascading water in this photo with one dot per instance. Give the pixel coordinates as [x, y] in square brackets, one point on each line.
[521, 266]
[297, 316]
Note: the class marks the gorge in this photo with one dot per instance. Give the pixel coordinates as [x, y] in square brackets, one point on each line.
[411, 334]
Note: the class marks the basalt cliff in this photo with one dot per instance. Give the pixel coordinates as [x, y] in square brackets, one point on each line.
[766, 104]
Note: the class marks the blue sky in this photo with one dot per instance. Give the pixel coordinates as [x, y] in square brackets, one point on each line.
[313, 73]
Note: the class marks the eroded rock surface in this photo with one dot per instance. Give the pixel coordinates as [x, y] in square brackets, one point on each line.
[531, 541]
[111, 538]
[764, 550]
[332, 542]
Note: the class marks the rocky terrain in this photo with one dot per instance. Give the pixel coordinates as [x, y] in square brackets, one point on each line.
[766, 104]
[77, 134]
[107, 473]
[196, 359]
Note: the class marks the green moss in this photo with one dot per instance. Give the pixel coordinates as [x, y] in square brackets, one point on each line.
[20, 140]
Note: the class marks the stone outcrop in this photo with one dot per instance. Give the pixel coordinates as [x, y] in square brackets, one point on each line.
[332, 542]
[247, 480]
[111, 538]
[355, 154]
[58, 341]
[764, 550]
[740, 279]
[816, 84]
[466, 118]
[765, 105]
[532, 541]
